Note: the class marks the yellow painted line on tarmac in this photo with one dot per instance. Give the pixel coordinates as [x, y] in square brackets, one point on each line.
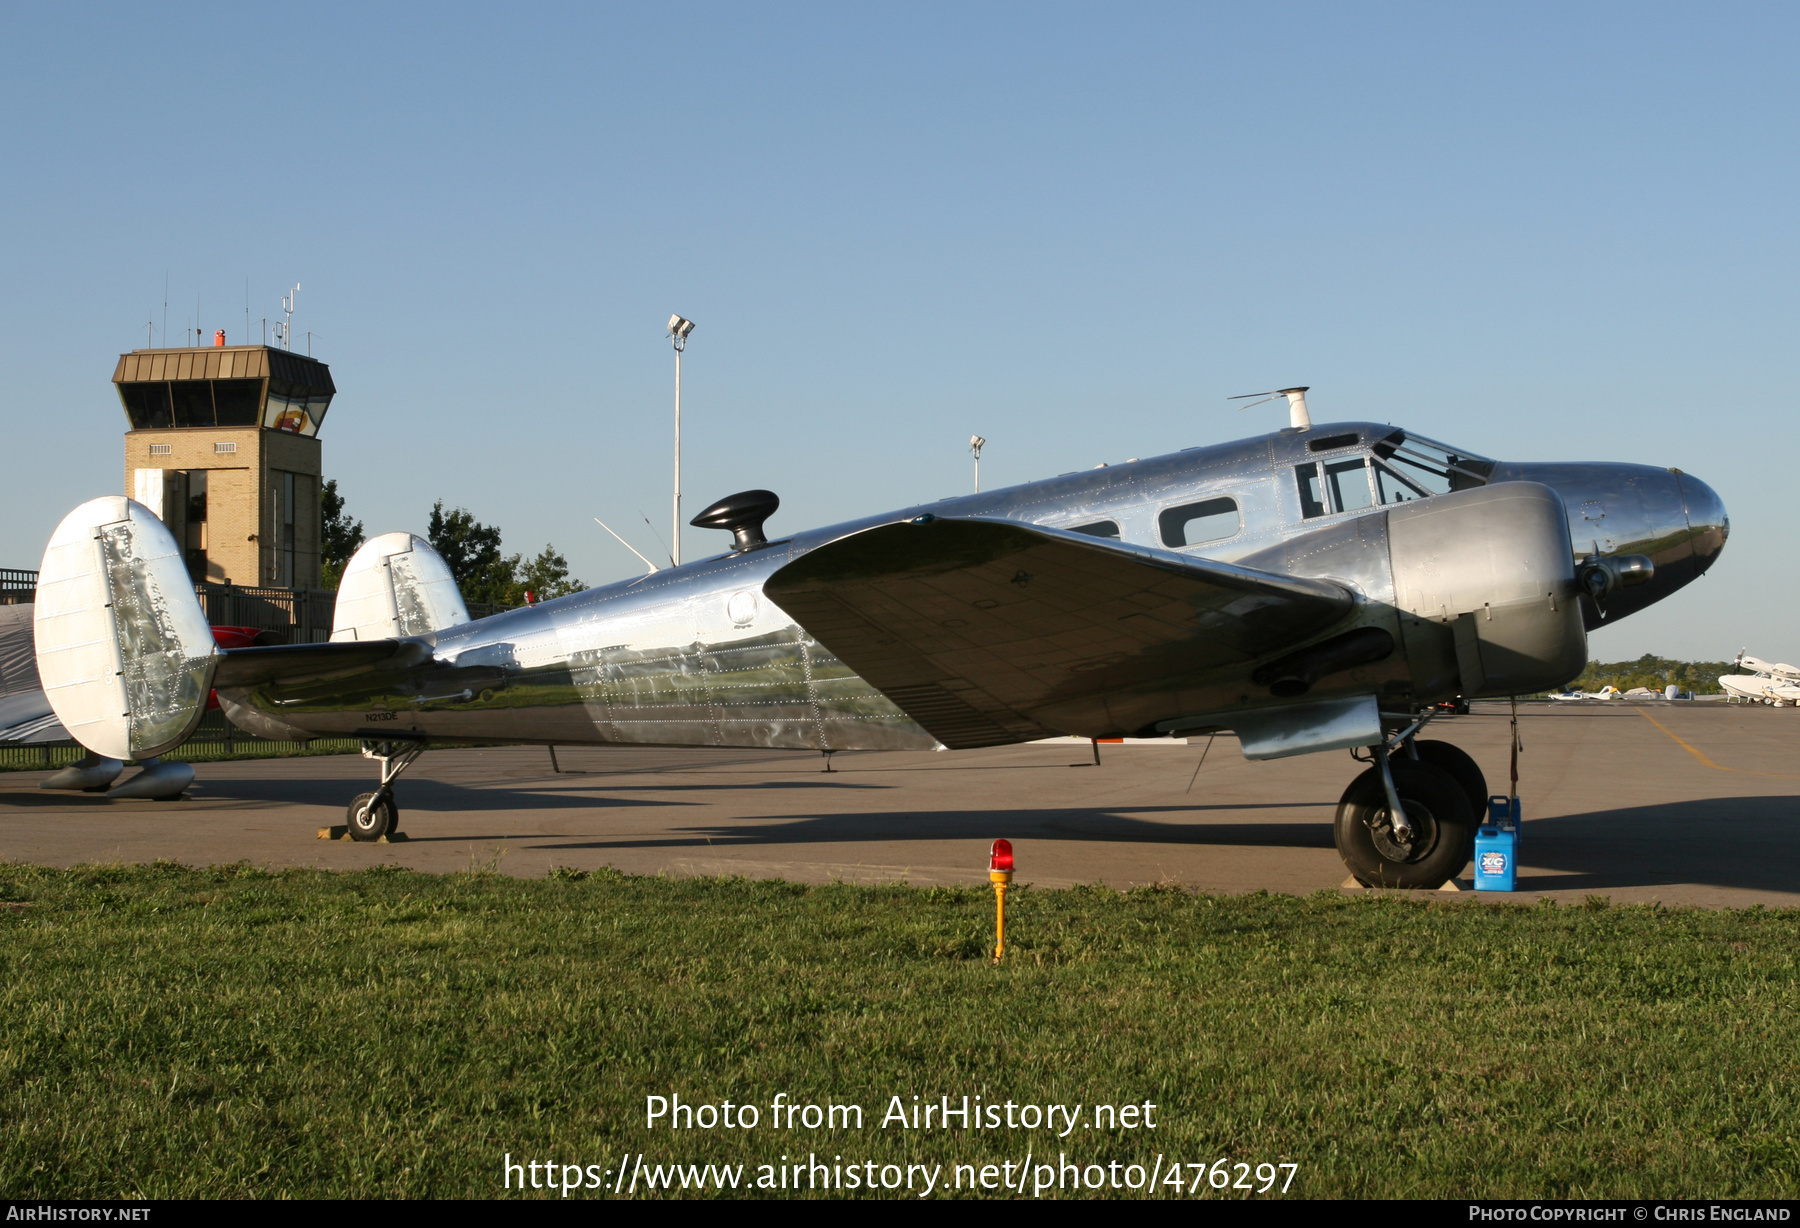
[1699, 754]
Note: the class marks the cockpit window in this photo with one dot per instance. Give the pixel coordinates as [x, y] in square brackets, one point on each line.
[1100, 528]
[1349, 484]
[1312, 495]
[1345, 486]
[1432, 467]
[1393, 488]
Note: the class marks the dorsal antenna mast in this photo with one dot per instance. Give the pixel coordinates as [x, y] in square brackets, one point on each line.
[1298, 417]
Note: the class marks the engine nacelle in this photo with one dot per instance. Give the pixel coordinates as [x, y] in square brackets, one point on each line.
[1486, 591]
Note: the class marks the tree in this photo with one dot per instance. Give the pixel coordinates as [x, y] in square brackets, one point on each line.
[547, 576]
[472, 552]
[1650, 670]
[484, 573]
[339, 536]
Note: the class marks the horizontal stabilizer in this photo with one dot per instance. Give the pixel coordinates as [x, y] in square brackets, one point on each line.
[987, 632]
[300, 663]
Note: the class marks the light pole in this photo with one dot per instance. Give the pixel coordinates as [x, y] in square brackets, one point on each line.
[678, 333]
[975, 442]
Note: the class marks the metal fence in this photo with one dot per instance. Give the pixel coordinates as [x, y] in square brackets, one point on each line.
[217, 738]
[17, 587]
[303, 616]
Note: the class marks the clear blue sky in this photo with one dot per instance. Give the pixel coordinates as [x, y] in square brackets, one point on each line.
[1549, 232]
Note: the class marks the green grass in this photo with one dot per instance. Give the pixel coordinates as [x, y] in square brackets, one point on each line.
[171, 1032]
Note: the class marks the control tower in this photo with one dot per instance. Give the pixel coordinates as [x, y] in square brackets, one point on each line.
[224, 447]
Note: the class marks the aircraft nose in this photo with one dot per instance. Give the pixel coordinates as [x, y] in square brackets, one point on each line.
[1708, 523]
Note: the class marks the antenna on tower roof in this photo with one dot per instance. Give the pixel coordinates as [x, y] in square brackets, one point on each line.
[284, 328]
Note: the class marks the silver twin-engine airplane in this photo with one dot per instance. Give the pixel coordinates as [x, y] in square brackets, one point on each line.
[1318, 588]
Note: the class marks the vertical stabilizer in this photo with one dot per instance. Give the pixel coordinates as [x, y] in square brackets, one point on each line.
[395, 585]
[123, 649]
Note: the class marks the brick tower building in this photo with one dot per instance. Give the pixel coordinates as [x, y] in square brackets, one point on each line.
[224, 447]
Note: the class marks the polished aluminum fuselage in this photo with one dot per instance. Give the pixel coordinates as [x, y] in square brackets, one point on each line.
[697, 655]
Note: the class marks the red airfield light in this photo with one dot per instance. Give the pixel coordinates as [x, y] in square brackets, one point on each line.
[1000, 872]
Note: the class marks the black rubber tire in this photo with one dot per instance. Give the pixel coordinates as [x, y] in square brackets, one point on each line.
[371, 816]
[1456, 761]
[1439, 810]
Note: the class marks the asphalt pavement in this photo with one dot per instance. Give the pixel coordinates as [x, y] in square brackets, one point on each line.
[1682, 803]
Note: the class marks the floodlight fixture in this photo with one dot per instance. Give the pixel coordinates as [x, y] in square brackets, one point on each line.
[679, 329]
[975, 446]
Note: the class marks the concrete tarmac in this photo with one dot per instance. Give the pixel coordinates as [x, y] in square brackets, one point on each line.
[1693, 804]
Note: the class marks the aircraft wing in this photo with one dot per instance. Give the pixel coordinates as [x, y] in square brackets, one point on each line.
[981, 629]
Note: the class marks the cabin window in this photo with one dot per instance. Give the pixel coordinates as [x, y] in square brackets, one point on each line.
[1195, 524]
[1099, 528]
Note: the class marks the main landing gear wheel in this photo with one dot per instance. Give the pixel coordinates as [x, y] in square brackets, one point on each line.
[1442, 835]
[1456, 761]
[372, 816]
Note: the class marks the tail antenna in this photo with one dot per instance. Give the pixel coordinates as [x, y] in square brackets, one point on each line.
[652, 566]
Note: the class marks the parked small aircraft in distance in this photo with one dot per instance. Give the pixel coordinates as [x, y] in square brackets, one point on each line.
[1766, 682]
[1317, 588]
[1606, 692]
[1610, 692]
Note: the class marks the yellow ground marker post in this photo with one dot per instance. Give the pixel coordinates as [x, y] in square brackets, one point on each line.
[1000, 872]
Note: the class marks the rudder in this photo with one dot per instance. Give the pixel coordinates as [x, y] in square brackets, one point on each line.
[123, 649]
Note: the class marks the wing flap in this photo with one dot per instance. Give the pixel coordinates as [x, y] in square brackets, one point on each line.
[983, 631]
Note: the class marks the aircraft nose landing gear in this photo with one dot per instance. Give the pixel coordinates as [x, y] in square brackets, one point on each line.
[374, 815]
